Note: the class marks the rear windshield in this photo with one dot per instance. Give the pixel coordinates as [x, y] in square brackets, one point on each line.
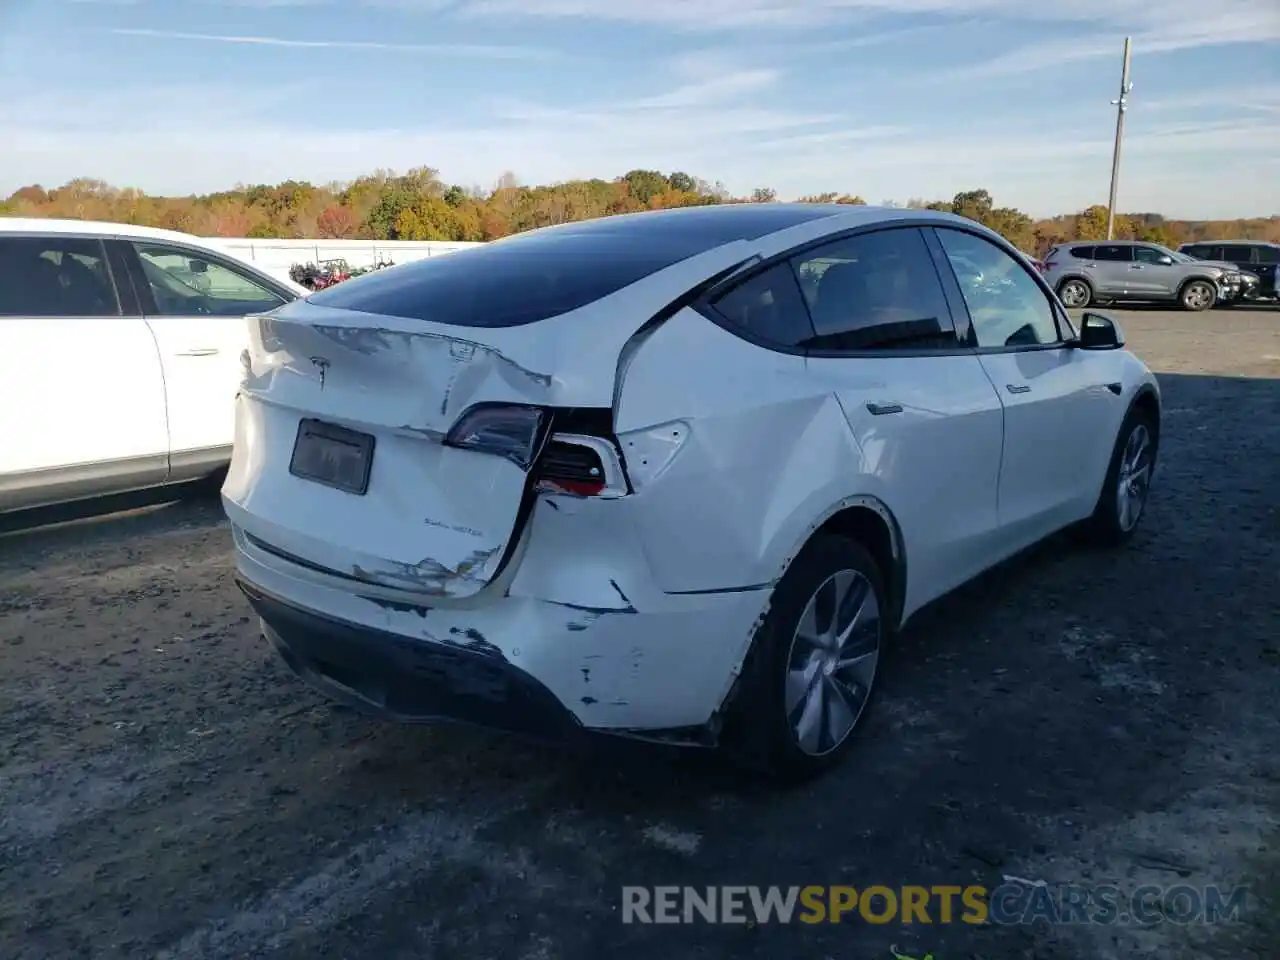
[530, 277]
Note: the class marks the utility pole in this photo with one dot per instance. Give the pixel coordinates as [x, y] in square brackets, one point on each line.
[1120, 105]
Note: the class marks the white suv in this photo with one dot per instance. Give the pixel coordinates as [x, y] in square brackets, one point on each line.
[119, 356]
[674, 475]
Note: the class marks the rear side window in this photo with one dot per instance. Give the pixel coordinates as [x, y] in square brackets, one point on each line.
[55, 277]
[768, 307]
[1082, 253]
[1268, 254]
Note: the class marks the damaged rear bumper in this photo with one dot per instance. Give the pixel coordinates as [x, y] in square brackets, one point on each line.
[396, 678]
[652, 666]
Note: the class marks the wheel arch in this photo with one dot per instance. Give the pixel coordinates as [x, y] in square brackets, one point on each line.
[1067, 278]
[868, 520]
[1196, 278]
[1147, 400]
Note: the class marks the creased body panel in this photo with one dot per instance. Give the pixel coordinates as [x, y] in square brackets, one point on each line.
[404, 374]
[733, 450]
[435, 520]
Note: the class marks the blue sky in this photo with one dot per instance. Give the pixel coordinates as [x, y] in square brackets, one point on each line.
[889, 99]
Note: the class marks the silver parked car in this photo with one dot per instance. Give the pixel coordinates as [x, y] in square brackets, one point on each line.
[1083, 273]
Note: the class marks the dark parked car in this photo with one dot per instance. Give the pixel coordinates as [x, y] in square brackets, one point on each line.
[1250, 256]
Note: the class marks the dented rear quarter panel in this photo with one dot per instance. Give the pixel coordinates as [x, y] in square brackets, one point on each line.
[766, 454]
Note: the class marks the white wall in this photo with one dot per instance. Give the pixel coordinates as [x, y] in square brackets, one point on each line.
[277, 256]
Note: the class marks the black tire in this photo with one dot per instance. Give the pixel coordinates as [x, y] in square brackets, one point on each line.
[1107, 527]
[1197, 295]
[1076, 283]
[757, 731]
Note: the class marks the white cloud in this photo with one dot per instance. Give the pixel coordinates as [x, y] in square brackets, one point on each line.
[1242, 23]
[723, 113]
[478, 51]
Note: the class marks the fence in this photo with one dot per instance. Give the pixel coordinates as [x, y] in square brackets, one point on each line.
[276, 256]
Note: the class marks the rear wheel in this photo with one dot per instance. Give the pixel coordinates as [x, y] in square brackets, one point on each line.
[810, 672]
[1075, 293]
[1197, 295]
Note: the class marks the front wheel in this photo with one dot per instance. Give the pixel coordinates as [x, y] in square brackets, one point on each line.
[1198, 295]
[1128, 482]
[811, 669]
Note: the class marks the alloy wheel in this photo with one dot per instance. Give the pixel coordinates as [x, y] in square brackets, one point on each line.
[831, 666]
[1074, 294]
[1199, 296]
[1134, 481]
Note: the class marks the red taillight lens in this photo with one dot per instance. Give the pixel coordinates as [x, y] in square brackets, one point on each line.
[504, 430]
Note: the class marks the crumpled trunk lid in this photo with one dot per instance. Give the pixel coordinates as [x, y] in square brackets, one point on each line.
[332, 391]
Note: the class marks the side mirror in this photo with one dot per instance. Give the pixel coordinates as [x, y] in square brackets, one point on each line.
[1099, 332]
[198, 266]
[1166, 260]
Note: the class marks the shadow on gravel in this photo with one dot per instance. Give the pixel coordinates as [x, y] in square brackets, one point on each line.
[122, 517]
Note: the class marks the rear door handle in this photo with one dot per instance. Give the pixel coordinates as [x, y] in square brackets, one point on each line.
[880, 409]
[200, 352]
[1017, 388]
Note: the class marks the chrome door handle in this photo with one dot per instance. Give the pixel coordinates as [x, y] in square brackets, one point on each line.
[1017, 388]
[200, 352]
[1136, 266]
[880, 409]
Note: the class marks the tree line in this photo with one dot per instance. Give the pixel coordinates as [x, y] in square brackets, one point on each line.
[418, 205]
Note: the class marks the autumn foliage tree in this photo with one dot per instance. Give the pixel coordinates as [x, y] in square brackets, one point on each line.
[418, 205]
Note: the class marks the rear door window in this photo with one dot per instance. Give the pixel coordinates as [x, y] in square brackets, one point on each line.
[1268, 254]
[1082, 253]
[1238, 253]
[55, 277]
[1113, 253]
[875, 292]
[768, 307]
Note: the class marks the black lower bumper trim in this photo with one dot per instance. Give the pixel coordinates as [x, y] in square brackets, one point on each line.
[410, 681]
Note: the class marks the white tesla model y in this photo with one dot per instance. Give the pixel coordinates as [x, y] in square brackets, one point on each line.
[676, 475]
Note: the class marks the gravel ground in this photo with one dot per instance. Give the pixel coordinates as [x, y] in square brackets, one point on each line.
[168, 789]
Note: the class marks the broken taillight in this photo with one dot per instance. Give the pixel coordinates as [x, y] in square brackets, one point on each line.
[505, 430]
[581, 465]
